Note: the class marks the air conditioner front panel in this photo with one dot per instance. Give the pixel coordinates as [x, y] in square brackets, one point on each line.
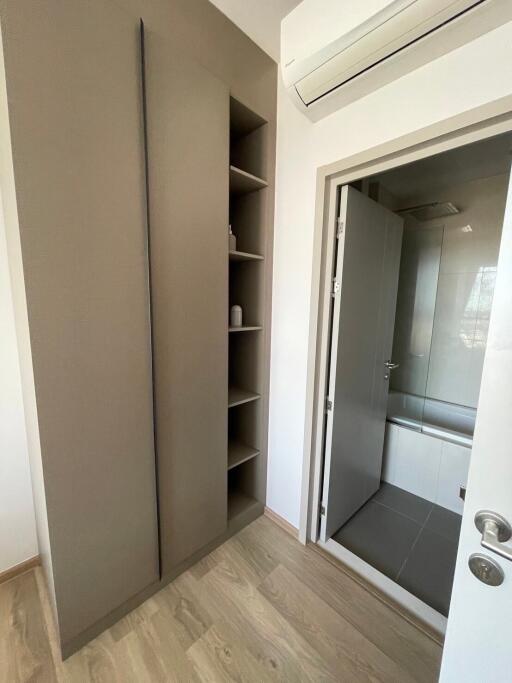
[413, 22]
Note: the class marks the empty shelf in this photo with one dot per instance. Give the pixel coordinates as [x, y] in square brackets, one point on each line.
[241, 182]
[238, 396]
[240, 503]
[239, 452]
[243, 120]
[246, 328]
[244, 256]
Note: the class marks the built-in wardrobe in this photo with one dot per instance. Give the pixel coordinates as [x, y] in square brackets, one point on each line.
[129, 152]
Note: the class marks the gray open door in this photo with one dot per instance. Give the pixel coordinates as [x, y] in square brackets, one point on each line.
[365, 289]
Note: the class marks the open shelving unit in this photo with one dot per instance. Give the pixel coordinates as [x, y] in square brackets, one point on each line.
[246, 469]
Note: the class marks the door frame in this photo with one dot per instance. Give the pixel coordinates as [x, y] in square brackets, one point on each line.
[471, 126]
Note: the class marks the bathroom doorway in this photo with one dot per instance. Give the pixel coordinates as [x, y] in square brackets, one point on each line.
[394, 478]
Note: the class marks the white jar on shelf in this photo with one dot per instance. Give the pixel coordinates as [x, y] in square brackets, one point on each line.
[236, 316]
[232, 240]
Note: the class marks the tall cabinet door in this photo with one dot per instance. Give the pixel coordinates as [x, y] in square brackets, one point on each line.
[188, 161]
[75, 109]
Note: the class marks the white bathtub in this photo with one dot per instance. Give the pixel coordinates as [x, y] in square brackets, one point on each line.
[446, 421]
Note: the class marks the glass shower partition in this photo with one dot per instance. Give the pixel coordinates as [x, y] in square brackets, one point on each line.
[414, 322]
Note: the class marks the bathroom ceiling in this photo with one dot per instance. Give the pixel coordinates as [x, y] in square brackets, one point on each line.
[479, 160]
[259, 19]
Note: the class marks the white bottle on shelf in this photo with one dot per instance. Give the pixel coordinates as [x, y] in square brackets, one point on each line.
[232, 240]
[236, 316]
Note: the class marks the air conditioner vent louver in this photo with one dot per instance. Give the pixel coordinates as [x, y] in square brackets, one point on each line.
[326, 55]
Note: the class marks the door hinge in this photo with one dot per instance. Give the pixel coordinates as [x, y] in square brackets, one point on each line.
[339, 227]
[322, 509]
[328, 404]
[336, 286]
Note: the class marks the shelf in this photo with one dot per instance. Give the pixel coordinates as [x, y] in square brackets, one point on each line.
[239, 452]
[243, 120]
[244, 256]
[237, 397]
[241, 182]
[246, 328]
[240, 504]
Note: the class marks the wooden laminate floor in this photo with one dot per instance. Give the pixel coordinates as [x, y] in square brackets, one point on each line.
[260, 608]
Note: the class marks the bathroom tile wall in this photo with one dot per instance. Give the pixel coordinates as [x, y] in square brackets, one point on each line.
[426, 466]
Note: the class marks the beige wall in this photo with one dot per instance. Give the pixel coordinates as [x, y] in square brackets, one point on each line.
[200, 30]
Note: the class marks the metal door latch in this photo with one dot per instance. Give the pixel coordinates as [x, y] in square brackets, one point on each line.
[495, 531]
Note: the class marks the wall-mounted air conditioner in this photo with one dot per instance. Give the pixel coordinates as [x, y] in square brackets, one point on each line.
[335, 51]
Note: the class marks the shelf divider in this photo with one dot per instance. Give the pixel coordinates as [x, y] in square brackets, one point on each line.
[239, 453]
[237, 396]
[241, 182]
[246, 328]
[244, 256]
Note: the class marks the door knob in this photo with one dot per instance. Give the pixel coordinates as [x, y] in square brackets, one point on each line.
[391, 366]
[495, 531]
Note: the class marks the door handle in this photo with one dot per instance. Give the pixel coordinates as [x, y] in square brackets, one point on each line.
[495, 531]
[391, 366]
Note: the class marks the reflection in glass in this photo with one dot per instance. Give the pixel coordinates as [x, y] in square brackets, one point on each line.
[414, 322]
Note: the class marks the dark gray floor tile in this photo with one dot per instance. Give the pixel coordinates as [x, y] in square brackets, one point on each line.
[380, 536]
[404, 502]
[445, 523]
[428, 572]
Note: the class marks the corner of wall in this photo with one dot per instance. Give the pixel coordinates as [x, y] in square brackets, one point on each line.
[14, 256]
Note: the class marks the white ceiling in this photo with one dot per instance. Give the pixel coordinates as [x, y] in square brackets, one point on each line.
[259, 19]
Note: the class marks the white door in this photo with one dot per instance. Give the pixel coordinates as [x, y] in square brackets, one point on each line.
[365, 288]
[478, 646]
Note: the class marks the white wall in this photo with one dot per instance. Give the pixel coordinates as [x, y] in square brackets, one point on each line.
[18, 540]
[471, 76]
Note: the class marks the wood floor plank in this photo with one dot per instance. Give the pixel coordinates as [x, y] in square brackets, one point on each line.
[242, 595]
[403, 642]
[140, 615]
[94, 663]
[25, 653]
[174, 658]
[238, 624]
[260, 608]
[190, 615]
[218, 656]
[49, 623]
[352, 655]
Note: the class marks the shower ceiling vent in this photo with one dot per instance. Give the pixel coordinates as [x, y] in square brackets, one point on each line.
[428, 212]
